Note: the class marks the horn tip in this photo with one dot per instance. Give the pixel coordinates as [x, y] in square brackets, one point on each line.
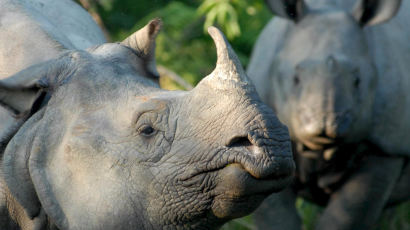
[215, 32]
[218, 37]
[212, 29]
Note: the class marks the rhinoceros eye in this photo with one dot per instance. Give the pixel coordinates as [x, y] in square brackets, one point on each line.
[147, 130]
[296, 80]
[356, 82]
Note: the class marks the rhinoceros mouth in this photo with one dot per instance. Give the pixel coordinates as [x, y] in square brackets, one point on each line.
[242, 183]
[238, 178]
[238, 193]
[236, 182]
[253, 162]
[320, 143]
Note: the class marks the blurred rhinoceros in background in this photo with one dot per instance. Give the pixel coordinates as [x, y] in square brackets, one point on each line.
[341, 83]
[96, 144]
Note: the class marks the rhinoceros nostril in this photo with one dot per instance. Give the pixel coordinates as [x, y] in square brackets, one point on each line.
[239, 142]
[322, 133]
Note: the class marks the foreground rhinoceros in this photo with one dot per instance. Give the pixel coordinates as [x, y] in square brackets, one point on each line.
[341, 84]
[96, 144]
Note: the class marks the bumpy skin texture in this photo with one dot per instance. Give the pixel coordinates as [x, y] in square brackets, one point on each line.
[96, 144]
[340, 83]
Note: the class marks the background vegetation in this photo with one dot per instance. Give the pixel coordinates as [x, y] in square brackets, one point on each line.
[185, 48]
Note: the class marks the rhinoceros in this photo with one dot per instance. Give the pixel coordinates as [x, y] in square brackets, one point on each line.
[94, 143]
[337, 74]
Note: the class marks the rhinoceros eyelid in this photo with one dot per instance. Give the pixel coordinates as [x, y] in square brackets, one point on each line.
[148, 118]
[147, 130]
[137, 117]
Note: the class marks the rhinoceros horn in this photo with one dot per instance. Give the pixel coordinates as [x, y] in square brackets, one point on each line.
[143, 42]
[229, 71]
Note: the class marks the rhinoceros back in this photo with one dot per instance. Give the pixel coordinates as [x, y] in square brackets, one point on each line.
[32, 31]
[390, 49]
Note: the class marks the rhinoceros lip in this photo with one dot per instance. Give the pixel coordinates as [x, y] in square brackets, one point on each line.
[320, 143]
[252, 186]
[238, 193]
[218, 169]
[245, 152]
[249, 185]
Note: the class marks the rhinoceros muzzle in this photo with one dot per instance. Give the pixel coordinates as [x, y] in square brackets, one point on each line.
[250, 174]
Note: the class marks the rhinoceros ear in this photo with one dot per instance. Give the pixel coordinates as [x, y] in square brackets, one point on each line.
[143, 43]
[291, 9]
[372, 12]
[23, 92]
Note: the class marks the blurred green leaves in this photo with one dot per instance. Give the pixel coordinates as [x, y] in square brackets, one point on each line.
[184, 46]
[222, 12]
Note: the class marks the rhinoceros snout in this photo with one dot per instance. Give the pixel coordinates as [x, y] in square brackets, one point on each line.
[259, 163]
[264, 151]
[324, 129]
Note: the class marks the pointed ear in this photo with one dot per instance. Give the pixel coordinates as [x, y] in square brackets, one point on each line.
[372, 12]
[290, 9]
[143, 43]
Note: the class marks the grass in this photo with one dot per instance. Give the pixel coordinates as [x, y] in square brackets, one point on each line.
[396, 218]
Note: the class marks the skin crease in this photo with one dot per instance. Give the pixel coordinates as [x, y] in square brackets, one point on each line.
[96, 144]
[339, 82]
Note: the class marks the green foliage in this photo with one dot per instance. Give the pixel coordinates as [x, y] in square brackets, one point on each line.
[396, 218]
[184, 46]
[181, 47]
[222, 12]
[308, 212]
[245, 223]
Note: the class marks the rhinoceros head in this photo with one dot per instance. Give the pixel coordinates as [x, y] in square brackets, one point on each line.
[323, 76]
[104, 147]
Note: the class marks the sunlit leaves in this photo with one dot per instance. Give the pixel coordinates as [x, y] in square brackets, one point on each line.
[222, 12]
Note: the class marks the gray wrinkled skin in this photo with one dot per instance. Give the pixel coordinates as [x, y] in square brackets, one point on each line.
[336, 73]
[96, 144]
